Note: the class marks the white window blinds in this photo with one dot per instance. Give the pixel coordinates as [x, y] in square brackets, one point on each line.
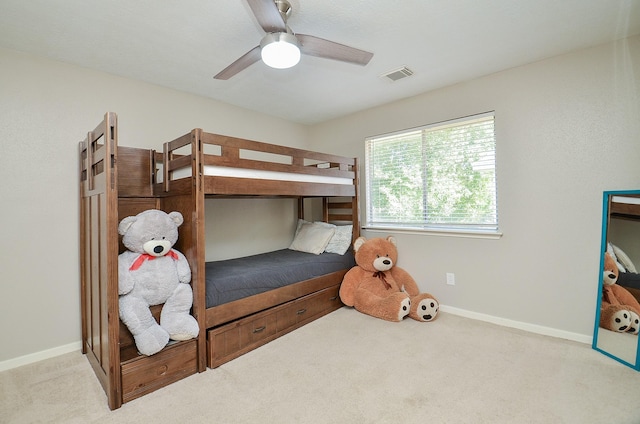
[437, 176]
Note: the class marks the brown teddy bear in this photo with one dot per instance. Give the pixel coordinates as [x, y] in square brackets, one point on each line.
[376, 287]
[619, 309]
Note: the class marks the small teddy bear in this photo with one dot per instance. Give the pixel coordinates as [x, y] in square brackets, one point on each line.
[152, 273]
[619, 309]
[376, 287]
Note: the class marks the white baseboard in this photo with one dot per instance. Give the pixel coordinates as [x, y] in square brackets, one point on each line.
[39, 356]
[532, 328]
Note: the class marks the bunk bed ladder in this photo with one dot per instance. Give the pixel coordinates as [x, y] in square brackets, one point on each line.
[341, 210]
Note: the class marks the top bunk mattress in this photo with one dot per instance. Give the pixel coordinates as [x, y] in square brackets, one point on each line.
[235, 279]
[256, 174]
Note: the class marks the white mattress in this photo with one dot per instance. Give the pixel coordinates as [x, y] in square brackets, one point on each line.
[225, 171]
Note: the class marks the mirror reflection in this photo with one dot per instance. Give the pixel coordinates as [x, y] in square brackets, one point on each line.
[618, 316]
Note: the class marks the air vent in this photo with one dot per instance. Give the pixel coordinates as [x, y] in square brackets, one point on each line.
[397, 74]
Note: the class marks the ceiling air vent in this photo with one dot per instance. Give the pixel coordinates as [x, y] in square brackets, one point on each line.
[397, 74]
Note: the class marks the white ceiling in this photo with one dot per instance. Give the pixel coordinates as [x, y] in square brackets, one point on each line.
[182, 44]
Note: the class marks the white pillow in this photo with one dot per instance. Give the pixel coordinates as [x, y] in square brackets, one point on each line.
[312, 237]
[341, 240]
[301, 222]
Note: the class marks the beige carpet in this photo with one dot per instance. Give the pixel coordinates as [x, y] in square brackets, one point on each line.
[351, 368]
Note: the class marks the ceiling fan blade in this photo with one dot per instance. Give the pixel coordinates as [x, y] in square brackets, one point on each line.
[268, 15]
[320, 47]
[248, 59]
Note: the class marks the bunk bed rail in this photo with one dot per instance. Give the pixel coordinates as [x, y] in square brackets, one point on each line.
[270, 169]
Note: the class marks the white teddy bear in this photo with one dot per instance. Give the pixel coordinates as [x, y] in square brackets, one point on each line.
[151, 273]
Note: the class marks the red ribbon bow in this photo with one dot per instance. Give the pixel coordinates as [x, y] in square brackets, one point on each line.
[380, 275]
[145, 256]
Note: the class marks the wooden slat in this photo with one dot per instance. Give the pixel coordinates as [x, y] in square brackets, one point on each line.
[339, 217]
[166, 173]
[340, 205]
[325, 209]
[134, 172]
[235, 162]
[178, 163]
[89, 162]
[355, 216]
[257, 187]
[180, 142]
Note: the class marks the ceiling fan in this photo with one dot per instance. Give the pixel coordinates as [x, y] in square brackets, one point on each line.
[272, 16]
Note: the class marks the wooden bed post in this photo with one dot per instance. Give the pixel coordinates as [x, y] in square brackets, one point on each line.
[165, 167]
[354, 201]
[325, 209]
[99, 255]
[198, 255]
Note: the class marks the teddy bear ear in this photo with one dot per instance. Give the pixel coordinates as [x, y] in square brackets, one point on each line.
[359, 242]
[124, 225]
[177, 218]
[392, 240]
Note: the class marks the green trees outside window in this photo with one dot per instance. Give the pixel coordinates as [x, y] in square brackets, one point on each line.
[437, 176]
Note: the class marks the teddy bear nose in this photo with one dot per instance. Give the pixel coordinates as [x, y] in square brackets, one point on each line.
[386, 262]
[612, 276]
[158, 249]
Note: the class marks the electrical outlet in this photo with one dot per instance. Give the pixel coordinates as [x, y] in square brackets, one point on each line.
[451, 279]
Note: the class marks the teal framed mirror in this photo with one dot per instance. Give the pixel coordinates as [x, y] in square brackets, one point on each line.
[618, 307]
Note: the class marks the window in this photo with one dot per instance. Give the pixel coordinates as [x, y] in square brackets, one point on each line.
[437, 177]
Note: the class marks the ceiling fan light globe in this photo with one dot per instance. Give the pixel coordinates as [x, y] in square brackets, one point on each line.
[280, 50]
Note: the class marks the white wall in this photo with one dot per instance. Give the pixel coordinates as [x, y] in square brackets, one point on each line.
[567, 129]
[46, 108]
[261, 225]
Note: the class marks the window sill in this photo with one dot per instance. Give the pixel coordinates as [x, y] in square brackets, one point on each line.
[443, 232]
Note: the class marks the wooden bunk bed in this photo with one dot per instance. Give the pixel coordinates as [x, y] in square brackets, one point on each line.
[118, 181]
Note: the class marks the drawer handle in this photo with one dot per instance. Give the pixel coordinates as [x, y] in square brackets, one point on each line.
[259, 329]
[301, 311]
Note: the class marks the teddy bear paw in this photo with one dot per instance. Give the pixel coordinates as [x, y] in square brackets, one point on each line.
[620, 321]
[151, 341]
[425, 309]
[182, 328]
[405, 308]
[634, 326]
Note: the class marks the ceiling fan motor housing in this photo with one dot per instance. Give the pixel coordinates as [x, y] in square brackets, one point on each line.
[280, 50]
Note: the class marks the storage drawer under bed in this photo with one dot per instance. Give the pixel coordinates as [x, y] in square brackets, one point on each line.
[144, 374]
[236, 338]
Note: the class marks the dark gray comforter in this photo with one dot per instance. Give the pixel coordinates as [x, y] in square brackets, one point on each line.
[234, 279]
